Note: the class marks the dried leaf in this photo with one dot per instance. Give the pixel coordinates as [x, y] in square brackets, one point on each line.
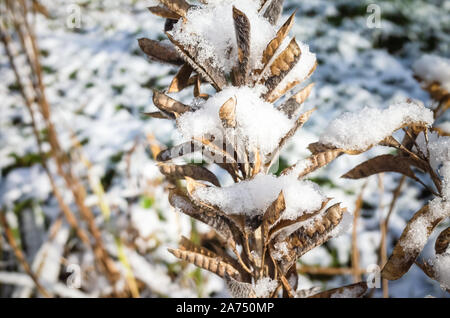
[402, 258]
[160, 52]
[272, 215]
[383, 163]
[212, 264]
[294, 103]
[190, 170]
[164, 12]
[350, 291]
[179, 7]
[273, 45]
[442, 242]
[168, 104]
[190, 54]
[317, 147]
[181, 80]
[239, 289]
[273, 11]
[242, 29]
[227, 113]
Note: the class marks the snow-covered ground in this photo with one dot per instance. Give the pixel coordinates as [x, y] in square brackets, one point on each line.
[98, 83]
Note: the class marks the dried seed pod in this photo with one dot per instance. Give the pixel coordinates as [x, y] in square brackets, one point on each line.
[219, 223]
[190, 170]
[179, 7]
[227, 113]
[168, 104]
[293, 104]
[212, 264]
[181, 80]
[350, 291]
[442, 242]
[383, 163]
[272, 215]
[164, 12]
[242, 29]
[273, 45]
[210, 73]
[273, 11]
[239, 289]
[404, 255]
[320, 160]
[160, 52]
[187, 245]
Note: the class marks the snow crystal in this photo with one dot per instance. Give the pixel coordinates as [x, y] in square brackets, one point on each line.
[360, 130]
[441, 267]
[439, 150]
[258, 123]
[253, 197]
[432, 68]
[210, 28]
[281, 249]
[264, 287]
[417, 236]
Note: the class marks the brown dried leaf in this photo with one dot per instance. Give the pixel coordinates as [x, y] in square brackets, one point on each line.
[350, 291]
[211, 74]
[160, 52]
[242, 29]
[227, 113]
[273, 11]
[402, 258]
[294, 103]
[179, 7]
[181, 80]
[273, 45]
[442, 242]
[168, 104]
[383, 163]
[212, 264]
[190, 170]
[317, 147]
[164, 12]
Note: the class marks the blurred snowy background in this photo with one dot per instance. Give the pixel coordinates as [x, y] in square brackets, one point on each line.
[98, 84]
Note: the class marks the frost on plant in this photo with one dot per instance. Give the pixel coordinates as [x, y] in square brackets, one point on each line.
[265, 223]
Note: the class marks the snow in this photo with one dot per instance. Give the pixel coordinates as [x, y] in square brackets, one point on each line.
[264, 287]
[253, 118]
[280, 250]
[441, 268]
[210, 28]
[433, 68]
[253, 197]
[418, 234]
[367, 127]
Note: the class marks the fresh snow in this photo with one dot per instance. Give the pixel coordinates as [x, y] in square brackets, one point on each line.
[433, 68]
[254, 196]
[369, 126]
[210, 28]
[258, 123]
[264, 287]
